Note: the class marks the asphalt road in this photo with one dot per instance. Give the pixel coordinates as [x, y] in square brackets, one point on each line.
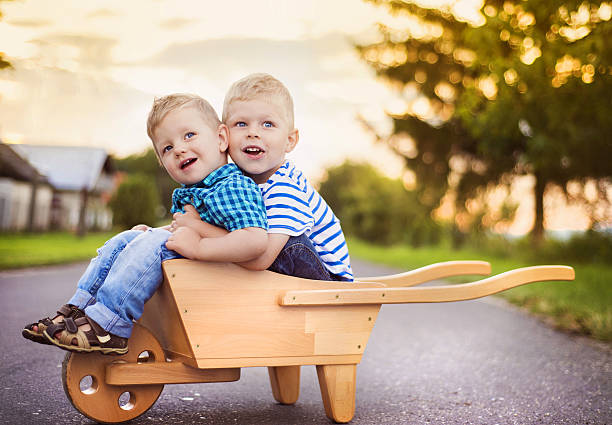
[471, 362]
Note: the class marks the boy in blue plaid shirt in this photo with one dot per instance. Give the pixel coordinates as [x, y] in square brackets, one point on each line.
[191, 144]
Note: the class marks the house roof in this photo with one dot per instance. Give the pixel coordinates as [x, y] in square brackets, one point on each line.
[67, 167]
[14, 166]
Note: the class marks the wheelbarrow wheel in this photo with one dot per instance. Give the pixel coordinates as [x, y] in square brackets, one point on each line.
[83, 377]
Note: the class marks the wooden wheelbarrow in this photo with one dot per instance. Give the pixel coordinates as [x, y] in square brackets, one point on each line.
[208, 320]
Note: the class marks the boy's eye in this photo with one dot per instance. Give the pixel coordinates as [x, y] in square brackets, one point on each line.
[240, 124]
[166, 149]
[268, 124]
[189, 135]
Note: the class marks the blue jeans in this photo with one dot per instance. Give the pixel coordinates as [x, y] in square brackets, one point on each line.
[300, 258]
[124, 275]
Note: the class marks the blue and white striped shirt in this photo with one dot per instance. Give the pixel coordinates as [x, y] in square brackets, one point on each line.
[294, 207]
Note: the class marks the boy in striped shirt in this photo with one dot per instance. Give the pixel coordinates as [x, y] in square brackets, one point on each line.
[304, 236]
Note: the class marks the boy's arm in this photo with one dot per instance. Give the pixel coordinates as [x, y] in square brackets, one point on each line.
[237, 246]
[190, 218]
[276, 242]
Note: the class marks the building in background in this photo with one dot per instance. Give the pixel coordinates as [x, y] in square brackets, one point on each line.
[81, 179]
[25, 194]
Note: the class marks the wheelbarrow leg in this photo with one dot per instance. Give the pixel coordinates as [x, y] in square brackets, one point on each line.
[285, 382]
[337, 384]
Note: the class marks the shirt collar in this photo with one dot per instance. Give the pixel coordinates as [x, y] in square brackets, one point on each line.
[217, 175]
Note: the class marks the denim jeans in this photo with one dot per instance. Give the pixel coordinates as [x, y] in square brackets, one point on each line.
[124, 275]
[300, 258]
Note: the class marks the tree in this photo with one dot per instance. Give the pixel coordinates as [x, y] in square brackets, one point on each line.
[146, 163]
[135, 202]
[375, 208]
[528, 91]
[3, 62]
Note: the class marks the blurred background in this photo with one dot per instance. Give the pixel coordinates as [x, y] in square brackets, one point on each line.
[435, 129]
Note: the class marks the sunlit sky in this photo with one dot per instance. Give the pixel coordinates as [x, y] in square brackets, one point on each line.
[86, 72]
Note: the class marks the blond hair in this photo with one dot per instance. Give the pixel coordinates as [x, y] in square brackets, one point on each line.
[165, 104]
[260, 86]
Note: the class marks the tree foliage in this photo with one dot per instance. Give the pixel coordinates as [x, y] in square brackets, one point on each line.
[375, 208]
[526, 92]
[4, 63]
[146, 164]
[135, 202]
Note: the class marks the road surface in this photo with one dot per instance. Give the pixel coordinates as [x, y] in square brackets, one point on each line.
[470, 362]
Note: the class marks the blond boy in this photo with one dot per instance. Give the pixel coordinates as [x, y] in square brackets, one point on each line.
[191, 144]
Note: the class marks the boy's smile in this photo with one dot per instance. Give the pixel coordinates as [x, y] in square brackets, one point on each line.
[189, 149]
[259, 137]
[253, 151]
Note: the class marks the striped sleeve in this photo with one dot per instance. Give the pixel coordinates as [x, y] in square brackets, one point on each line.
[287, 207]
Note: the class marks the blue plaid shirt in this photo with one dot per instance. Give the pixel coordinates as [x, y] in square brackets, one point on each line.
[226, 198]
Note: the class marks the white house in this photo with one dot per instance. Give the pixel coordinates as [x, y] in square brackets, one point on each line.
[82, 180]
[25, 194]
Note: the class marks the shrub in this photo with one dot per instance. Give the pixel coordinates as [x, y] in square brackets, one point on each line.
[136, 201]
[375, 208]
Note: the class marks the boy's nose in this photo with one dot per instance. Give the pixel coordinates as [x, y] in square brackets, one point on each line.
[252, 134]
[180, 149]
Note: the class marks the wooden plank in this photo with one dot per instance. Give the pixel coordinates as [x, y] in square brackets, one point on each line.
[162, 318]
[220, 321]
[444, 293]
[334, 343]
[277, 361]
[165, 373]
[352, 319]
[237, 344]
[432, 272]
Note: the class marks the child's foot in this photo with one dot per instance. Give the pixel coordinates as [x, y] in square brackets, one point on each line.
[83, 335]
[34, 331]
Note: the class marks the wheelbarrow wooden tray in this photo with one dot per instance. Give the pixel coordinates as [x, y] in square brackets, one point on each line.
[208, 320]
[218, 315]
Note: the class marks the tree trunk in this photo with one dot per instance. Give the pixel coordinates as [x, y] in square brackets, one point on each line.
[537, 232]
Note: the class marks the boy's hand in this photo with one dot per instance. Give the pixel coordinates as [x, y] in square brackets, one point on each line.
[142, 227]
[190, 218]
[184, 241]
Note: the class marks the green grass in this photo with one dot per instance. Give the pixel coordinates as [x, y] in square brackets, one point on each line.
[583, 306]
[27, 250]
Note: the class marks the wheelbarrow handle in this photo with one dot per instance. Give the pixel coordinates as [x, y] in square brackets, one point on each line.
[431, 272]
[430, 294]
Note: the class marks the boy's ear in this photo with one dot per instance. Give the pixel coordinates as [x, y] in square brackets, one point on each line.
[223, 133]
[292, 139]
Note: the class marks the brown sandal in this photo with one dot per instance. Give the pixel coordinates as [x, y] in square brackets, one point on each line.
[67, 310]
[71, 338]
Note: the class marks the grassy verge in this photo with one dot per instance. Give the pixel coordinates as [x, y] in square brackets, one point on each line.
[27, 250]
[583, 306]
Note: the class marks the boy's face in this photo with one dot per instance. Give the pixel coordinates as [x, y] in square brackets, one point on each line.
[259, 137]
[189, 149]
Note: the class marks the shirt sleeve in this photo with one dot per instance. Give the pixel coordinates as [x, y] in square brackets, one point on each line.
[237, 205]
[288, 207]
[187, 196]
